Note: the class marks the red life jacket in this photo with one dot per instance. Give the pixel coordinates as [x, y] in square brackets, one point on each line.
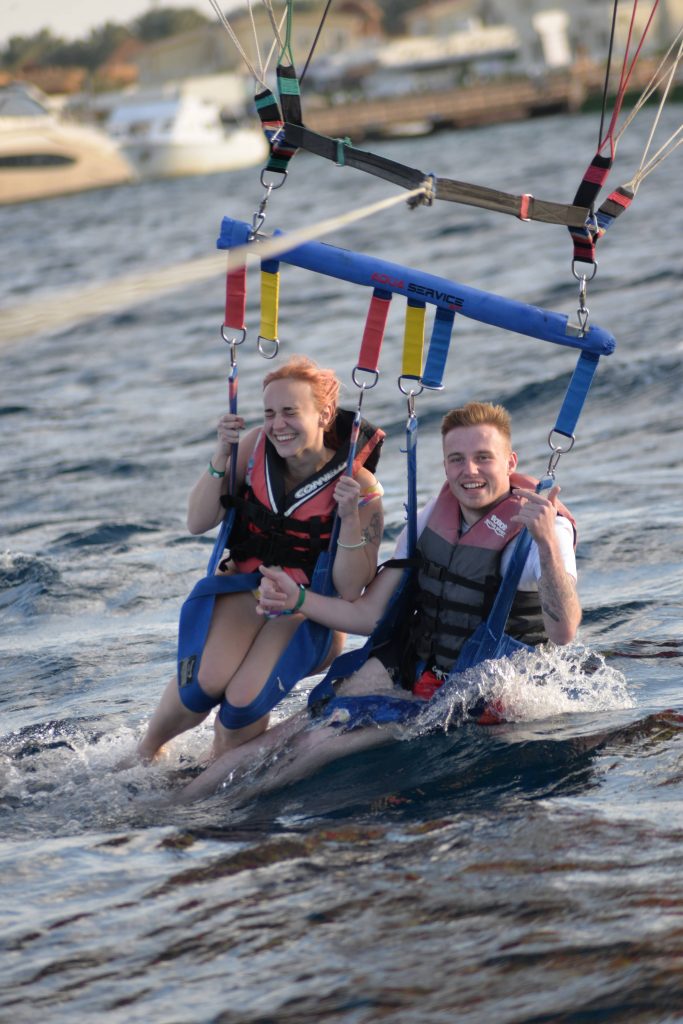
[459, 577]
[291, 529]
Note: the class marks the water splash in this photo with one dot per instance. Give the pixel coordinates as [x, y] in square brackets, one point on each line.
[533, 685]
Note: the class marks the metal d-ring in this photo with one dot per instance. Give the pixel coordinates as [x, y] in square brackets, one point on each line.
[271, 186]
[273, 341]
[362, 384]
[411, 392]
[557, 451]
[236, 339]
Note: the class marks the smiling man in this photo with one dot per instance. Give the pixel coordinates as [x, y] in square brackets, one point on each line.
[465, 537]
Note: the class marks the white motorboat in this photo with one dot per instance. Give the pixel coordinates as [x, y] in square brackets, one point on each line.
[174, 134]
[42, 154]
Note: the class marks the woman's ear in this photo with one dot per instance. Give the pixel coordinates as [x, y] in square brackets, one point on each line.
[325, 417]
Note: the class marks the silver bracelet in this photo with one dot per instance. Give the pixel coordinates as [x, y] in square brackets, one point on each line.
[352, 547]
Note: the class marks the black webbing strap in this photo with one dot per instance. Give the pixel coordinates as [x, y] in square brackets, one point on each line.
[586, 195]
[526, 207]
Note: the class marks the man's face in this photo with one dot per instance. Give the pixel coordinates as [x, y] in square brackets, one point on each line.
[478, 462]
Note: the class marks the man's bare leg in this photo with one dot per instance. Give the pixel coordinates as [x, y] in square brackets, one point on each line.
[243, 757]
[306, 747]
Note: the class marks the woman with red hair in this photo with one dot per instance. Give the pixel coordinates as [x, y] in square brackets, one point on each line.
[290, 481]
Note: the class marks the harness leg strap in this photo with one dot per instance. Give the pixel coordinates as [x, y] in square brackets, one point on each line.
[195, 699]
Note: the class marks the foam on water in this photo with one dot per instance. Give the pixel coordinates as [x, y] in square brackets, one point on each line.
[535, 685]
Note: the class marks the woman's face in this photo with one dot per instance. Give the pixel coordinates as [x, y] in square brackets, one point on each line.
[292, 420]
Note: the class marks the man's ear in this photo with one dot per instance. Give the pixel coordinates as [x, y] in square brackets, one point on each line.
[512, 462]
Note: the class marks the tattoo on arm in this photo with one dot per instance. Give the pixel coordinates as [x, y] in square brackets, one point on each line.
[372, 533]
[556, 595]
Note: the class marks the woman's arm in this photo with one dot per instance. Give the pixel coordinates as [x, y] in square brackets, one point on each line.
[204, 509]
[361, 515]
[279, 593]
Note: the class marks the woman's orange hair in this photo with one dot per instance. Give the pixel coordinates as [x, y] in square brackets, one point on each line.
[324, 383]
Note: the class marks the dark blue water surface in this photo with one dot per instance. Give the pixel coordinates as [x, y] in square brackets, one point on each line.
[530, 872]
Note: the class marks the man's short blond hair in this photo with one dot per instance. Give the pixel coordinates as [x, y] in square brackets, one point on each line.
[477, 414]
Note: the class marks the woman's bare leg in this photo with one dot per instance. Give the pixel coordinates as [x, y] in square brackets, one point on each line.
[249, 679]
[234, 625]
[170, 719]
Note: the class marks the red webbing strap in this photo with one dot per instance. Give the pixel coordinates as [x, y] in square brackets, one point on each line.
[375, 325]
[613, 207]
[236, 299]
[586, 195]
[599, 168]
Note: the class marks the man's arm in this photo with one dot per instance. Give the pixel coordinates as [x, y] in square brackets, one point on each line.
[279, 593]
[556, 587]
[559, 599]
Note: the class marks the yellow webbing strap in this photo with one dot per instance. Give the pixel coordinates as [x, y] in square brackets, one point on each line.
[270, 298]
[413, 340]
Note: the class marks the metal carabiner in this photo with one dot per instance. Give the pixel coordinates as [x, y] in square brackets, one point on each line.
[556, 451]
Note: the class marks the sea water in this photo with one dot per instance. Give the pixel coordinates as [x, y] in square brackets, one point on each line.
[525, 872]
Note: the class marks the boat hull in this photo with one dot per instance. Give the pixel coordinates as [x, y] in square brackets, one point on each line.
[40, 158]
[173, 159]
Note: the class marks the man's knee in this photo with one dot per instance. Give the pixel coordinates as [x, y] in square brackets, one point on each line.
[372, 677]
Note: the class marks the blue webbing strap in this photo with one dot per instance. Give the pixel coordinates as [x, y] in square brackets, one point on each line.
[578, 388]
[411, 503]
[432, 375]
[346, 664]
[489, 639]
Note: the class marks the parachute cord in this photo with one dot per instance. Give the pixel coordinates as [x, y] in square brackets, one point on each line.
[258, 75]
[627, 71]
[315, 41]
[655, 82]
[286, 51]
[257, 48]
[240, 49]
[656, 160]
[278, 244]
[607, 72]
[277, 29]
[665, 150]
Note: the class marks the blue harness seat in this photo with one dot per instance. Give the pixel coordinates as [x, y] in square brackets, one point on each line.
[307, 649]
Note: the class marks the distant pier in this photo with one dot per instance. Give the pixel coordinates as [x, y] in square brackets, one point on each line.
[483, 103]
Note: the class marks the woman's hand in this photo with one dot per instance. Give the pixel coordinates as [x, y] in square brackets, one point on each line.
[277, 592]
[228, 430]
[346, 494]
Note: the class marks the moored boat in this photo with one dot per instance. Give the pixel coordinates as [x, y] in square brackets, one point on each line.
[42, 154]
[175, 133]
